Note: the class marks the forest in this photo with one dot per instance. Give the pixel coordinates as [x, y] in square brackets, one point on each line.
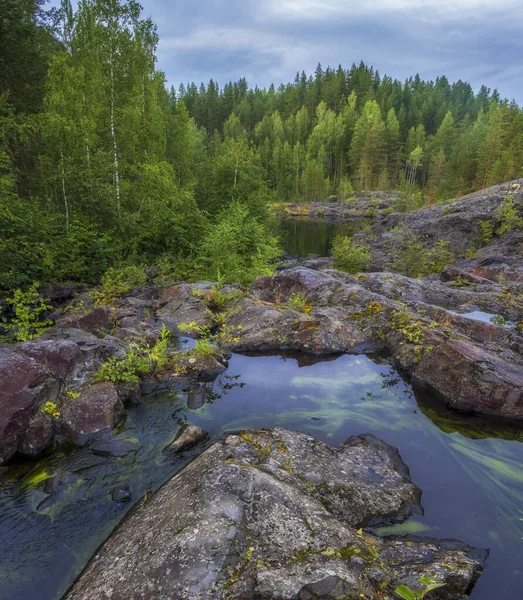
[102, 165]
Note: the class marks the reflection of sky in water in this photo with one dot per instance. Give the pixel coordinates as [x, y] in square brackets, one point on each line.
[485, 317]
[472, 481]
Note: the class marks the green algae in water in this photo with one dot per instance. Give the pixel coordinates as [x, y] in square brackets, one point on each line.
[467, 493]
[412, 526]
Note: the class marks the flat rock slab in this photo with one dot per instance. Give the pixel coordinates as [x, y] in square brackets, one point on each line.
[276, 515]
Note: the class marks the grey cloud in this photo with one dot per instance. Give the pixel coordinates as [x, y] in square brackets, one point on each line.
[265, 41]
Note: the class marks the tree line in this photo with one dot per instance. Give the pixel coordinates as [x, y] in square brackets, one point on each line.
[342, 129]
[102, 165]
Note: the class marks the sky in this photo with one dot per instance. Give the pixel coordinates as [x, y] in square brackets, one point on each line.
[268, 41]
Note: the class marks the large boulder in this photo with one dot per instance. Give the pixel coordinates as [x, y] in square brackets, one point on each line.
[96, 321]
[98, 408]
[277, 515]
[24, 387]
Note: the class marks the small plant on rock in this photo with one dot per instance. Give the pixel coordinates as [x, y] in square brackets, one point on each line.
[204, 348]
[298, 302]
[429, 584]
[485, 231]
[28, 308]
[50, 409]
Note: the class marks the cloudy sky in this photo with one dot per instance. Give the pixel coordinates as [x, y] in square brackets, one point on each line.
[479, 41]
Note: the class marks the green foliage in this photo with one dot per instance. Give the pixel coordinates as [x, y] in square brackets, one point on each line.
[485, 231]
[238, 248]
[117, 282]
[428, 583]
[139, 360]
[349, 256]
[509, 216]
[50, 409]
[408, 199]
[298, 302]
[204, 348]
[415, 259]
[102, 166]
[129, 369]
[29, 308]
[216, 298]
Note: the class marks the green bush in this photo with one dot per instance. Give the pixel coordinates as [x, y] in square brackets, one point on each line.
[349, 256]
[509, 217]
[409, 199]
[29, 308]
[139, 360]
[415, 259]
[238, 248]
[117, 282]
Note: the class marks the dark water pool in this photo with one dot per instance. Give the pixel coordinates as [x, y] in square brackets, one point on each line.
[301, 237]
[471, 473]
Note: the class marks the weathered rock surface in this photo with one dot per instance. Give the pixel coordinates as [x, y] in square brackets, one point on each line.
[24, 387]
[276, 515]
[97, 321]
[457, 224]
[98, 408]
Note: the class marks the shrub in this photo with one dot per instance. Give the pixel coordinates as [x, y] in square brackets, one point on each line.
[28, 308]
[416, 259]
[509, 216]
[485, 231]
[409, 199]
[117, 282]
[139, 360]
[238, 248]
[204, 348]
[348, 256]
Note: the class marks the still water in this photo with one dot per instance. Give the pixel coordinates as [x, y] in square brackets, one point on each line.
[471, 473]
[301, 237]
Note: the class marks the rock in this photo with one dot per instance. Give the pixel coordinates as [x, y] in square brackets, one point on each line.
[98, 408]
[110, 446]
[453, 273]
[96, 321]
[276, 515]
[60, 292]
[189, 435]
[328, 312]
[55, 355]
[24, 387]
[195, 398]
[61, 489]
[179, 304]
[38, 436]
[121, 494]
[199, 368]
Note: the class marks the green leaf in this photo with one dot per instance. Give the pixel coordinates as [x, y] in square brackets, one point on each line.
[433, 586]
[405, 592]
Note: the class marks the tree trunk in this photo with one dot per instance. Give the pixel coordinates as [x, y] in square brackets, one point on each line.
[66, 204]
[115, 146]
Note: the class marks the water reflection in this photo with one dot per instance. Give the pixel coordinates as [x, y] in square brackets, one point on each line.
[54, 513]
[301, 237]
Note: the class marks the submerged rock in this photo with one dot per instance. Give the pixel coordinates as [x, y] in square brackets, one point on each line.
[121, 494]
[276, 515]
[188, 436]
